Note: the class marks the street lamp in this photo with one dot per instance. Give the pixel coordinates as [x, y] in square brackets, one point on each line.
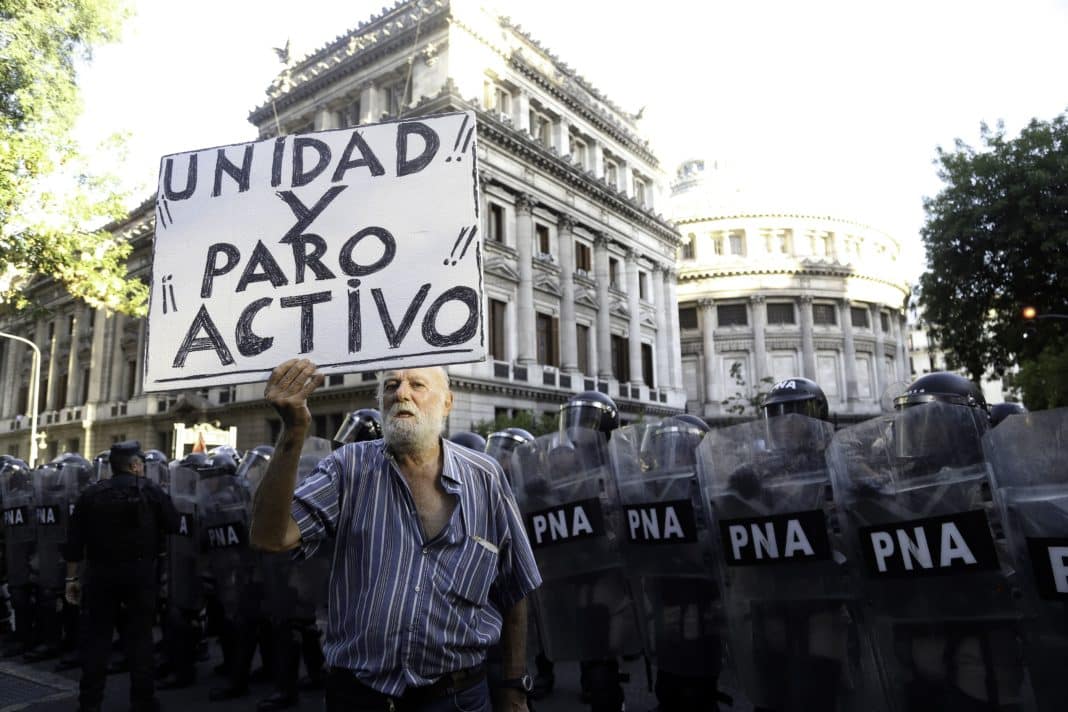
[35, 375]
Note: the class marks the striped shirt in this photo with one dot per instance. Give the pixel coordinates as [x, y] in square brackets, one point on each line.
[404, 611]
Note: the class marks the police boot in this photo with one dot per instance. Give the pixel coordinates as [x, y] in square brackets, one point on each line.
[603, 685]
[44, 651]
[277, 701]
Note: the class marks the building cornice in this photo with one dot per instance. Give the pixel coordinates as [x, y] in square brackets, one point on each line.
[696, 274]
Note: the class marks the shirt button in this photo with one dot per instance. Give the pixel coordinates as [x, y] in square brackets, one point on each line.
[426, 551]
[417, 589]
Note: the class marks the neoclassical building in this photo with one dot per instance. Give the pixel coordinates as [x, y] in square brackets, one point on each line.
[765, 294]
[580, 264]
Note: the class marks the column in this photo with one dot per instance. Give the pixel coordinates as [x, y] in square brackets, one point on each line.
[325, 118]
[760, 349]
[11, 376]
[524, 232]
[568, 337]
[626, 175]
[880, 349]
[562, 137]
[674, 338]
[97, 358]
[634, 338]
[904, 369]
[370, 106]
[74, 374]
[115, 385]
[708, 348]
[604, 317]
[808, 351]
[140, 373]
[663, 367]
[849, 353]
[53, 366]
[522, 115]
[597, 153]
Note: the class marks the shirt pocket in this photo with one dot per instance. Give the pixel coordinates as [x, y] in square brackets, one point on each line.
[470, 571]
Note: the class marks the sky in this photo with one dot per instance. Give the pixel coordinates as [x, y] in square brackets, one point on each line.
[823, 106]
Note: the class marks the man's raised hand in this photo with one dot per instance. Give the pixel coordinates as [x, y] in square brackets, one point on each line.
[288, 389]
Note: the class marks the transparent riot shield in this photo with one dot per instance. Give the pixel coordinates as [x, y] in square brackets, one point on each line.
[52, 510]
[913, 498]
[667, 548]
[568, 499]
[1028, 455]
[790, 602]
[19, 521]
[184, 590]
[224, 508]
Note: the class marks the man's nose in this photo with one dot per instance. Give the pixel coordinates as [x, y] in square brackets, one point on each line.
[403, 391]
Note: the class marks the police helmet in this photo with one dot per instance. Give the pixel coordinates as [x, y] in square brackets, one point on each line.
[194, 460]
[102, 465]
[944, 387]
[796, 395]
[474, 441]
[254, 464]
[591, 410]
[155, 456]
[228, 450]
[673, 443]
[217, 465]
[359, 426]
[501, 444]
[1000, 411]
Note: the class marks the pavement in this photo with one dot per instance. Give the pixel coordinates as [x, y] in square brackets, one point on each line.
[38, 687]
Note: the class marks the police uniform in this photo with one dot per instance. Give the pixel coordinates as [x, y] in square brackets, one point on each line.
[119, 527]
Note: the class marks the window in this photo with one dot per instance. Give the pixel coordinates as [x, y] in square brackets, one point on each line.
[496, 223]
[85, 387]
[131, 379]
[717, 243]
[884, 322]
[647, 365]
[541, 234]
[824, 315]
[541, 128]
[498, 98]
[611, 173]
[583, 257]
[613, 272]
[579, 152]
[495, 324]
[350, 115]
[545, 328]
[61, 392]
[732, 315]
[640, 191]
[737, 241]
[688, 248]
[620, 358]
[777, 242]
[781, 313]
[687, 317]
[582, 338]
[643, 286]
[858, 316]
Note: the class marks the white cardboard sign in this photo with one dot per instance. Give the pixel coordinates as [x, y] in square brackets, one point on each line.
[357, 248]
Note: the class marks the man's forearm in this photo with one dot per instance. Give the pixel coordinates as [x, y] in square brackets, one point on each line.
[514, 641]
[271, 519]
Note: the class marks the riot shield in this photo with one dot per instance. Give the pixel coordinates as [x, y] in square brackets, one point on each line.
[667, 548]
[790, 602]
[223, 509]
[20, 521]
[567, 495]
[184, 589]
[52, 509]
[913, 499]
[1027, 455]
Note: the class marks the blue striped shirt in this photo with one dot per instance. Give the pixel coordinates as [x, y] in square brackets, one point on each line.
[404, 611]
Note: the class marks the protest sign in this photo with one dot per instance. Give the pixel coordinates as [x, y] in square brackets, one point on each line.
[358, 249]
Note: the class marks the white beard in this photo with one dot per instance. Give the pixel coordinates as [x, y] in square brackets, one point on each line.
[407, 435]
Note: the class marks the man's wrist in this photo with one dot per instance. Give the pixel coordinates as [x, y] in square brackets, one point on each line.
[523, 683]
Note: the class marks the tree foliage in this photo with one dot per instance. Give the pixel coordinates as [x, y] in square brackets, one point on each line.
[525, 419]
[51, 207]
[996, 239]
[1043, 380]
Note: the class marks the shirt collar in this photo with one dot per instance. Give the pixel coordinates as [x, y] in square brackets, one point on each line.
[450, 472]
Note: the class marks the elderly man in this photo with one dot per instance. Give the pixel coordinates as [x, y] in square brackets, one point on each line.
[431, 563]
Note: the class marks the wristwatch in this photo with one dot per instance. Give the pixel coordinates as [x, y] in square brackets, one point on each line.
[523, 683]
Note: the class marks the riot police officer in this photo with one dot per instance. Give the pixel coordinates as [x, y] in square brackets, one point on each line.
[359, 426]
[118, 527]
[16, 492]
[1000, 411]
[469, 439]
[913, 493]
[502, 443]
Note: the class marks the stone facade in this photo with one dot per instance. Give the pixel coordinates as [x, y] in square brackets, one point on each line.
[764, 295]
[580, 265]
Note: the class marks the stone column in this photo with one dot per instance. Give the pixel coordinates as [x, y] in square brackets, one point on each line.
[880, 350]
[138, 387]
[849, 353]
[97, 357]
[808, 350]
[708, 348]
[597, 153]
[11, 374]
[53, 367]
[326, 118]
[568, 337]
[663, 366]
[604, 316]
[562, 136]
[522, 109]
[370, 106]
[115, 385]
[905, 365]
[760, 349]
[634, 337]
[74, 374]
[674, 338]
[524, 233]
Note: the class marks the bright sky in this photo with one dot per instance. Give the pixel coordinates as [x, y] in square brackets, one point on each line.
[830, 106]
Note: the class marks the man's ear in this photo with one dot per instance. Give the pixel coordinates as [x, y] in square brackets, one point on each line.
[448, 402]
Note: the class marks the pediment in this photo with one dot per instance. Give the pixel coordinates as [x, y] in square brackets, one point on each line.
[547, 283]
[501, 268]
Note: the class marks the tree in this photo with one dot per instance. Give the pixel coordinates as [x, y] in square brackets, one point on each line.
[525, 419]
[746, 400]
[51, 208]
[1044, 379]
